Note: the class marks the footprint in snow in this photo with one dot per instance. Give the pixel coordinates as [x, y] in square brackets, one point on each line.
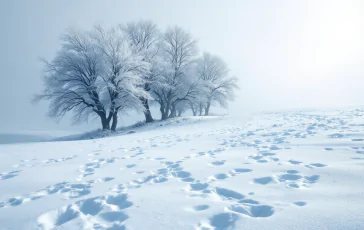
[289, 177]
[197, 186]
[358, 139]
[294, 180]
[315, 165]
[201, 207]
[227, 194]
[294, 162]
[300, 203]
[131, 166]
[159, 158]
[225, 220]
[255, 211]
[217, 163]
[248, 201]
[264, 153]
[67, 189]
[101, 211]
[292, 171]
[264, 180]
[273, 147]
[220, 176]
[8, 175]
[242, 170]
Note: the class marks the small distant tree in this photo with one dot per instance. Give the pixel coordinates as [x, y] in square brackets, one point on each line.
[182, 107]
[178, 52]
[213, 71]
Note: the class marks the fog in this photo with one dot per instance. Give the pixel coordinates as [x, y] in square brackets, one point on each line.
[286, 54]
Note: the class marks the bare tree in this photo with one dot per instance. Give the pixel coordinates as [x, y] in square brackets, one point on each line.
[144, 38]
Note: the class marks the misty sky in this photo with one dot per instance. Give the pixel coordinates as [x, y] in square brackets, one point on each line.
[287, 54]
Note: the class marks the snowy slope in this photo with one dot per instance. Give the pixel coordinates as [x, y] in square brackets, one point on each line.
[292, 170]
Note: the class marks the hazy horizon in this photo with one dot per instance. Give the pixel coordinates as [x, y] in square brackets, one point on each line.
[286, 54]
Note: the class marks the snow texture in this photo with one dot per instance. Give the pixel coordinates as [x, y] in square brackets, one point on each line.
[291, 170]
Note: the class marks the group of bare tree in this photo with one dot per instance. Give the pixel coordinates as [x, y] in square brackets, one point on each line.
[106, 72]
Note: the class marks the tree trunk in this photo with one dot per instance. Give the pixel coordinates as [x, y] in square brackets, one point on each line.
[104, 121]
[114, 121]
[165, 110]
[147, 113]
[164, 113]
[207, 109]
[193, 110]
[173, 111]
[200, 109]
[179, 113]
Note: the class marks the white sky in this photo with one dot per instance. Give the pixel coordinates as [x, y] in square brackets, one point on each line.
[286, 53]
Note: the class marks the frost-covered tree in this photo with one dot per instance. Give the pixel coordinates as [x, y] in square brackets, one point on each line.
[213, 71]
[94, 73]
[144, 38]
[123, 71]
[106, 72]
[178, 50]
[182, 107]
[72, 79]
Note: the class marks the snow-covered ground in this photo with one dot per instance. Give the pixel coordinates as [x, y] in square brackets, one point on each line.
[292, 170]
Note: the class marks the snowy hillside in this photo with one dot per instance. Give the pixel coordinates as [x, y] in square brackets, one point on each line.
[293, 170]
